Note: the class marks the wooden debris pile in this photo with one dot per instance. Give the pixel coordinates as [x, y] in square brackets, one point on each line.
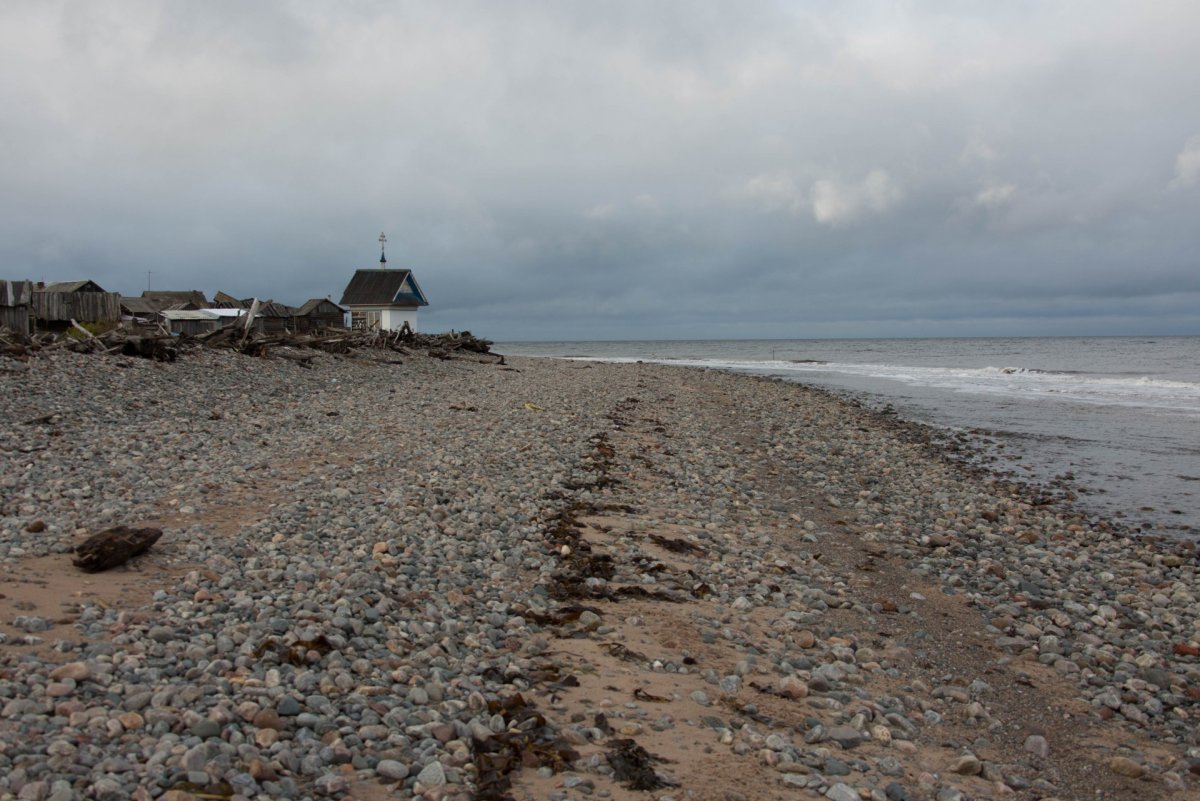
[301, 349]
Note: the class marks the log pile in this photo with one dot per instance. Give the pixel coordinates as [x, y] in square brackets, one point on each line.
[301, 349]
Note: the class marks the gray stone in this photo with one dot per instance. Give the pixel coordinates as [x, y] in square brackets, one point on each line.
[835, 767]
[331, 784]
[847, 736]
[842, 792]
[288, 707]
[391, 769]
[1036, 744]
[432, 775]
[206, 728]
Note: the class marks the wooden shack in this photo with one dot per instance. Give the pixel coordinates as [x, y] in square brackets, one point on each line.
[319, 314]
[191, 322]
[55, 305]
[14, 305]
[140, 310]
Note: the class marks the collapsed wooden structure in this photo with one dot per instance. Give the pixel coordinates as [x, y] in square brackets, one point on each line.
[301, 348]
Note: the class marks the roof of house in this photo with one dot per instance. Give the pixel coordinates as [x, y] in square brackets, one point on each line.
[310, 305]
[148, 306]
[191, 314]
[172, 296]
[70, 286]
[383, 288]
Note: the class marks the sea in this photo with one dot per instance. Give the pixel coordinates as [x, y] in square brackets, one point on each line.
[1117, 419]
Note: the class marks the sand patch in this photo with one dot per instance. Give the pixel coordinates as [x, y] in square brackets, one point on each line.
[54, 590]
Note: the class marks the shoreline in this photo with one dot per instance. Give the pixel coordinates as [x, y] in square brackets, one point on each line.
[784, 593]
[1055, 412]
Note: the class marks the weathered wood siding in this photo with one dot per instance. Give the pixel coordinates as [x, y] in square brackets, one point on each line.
[192, 328]
[82, 307]
[15, 318]
[319, 322]
[14, 305]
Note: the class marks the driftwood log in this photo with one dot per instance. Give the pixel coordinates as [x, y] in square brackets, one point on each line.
[113, 546]
[162, 349]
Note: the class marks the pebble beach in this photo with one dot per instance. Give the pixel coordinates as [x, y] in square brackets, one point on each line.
[412, 577]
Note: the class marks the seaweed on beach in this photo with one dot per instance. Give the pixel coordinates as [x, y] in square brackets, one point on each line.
[635, 591]
[622, 652]
[295, 653]
[674, 545]
[634, 766]
[527, 743]
[560, 616]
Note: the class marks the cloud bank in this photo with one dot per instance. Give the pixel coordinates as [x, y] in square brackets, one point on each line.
[621, 170]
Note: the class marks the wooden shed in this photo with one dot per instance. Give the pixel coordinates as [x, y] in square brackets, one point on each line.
[191, 322]
[140, 310]
[319, 314]
[14, 305]
[55, 305]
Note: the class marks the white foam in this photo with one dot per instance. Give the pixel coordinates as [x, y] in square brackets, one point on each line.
[1017, 382]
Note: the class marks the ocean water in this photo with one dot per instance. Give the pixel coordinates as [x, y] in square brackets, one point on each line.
[1119, 415]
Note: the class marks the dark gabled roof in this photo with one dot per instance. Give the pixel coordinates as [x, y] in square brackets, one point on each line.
[311, 305]
[383, 288]
[70, 286]
[146, 306]
[193, 296]
[269, 308]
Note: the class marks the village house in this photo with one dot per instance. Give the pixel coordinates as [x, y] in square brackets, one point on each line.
[383, 299]
[55, 305]
[192, 322]
[146, 308]
[195, 322]
[319, 314]
[139, 310]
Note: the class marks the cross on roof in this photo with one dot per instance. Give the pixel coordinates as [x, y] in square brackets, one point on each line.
[383, 249]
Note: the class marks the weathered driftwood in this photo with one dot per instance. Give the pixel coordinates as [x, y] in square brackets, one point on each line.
[161, 349]
[113, 546]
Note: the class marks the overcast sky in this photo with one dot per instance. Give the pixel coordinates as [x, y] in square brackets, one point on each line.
[621, 170]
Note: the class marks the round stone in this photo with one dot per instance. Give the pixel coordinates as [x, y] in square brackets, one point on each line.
[392, 769]
[432, 775]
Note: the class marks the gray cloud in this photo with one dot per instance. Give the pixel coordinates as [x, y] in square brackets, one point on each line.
[574, 170]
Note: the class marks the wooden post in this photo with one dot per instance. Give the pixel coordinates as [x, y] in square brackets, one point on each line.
[249, 322]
